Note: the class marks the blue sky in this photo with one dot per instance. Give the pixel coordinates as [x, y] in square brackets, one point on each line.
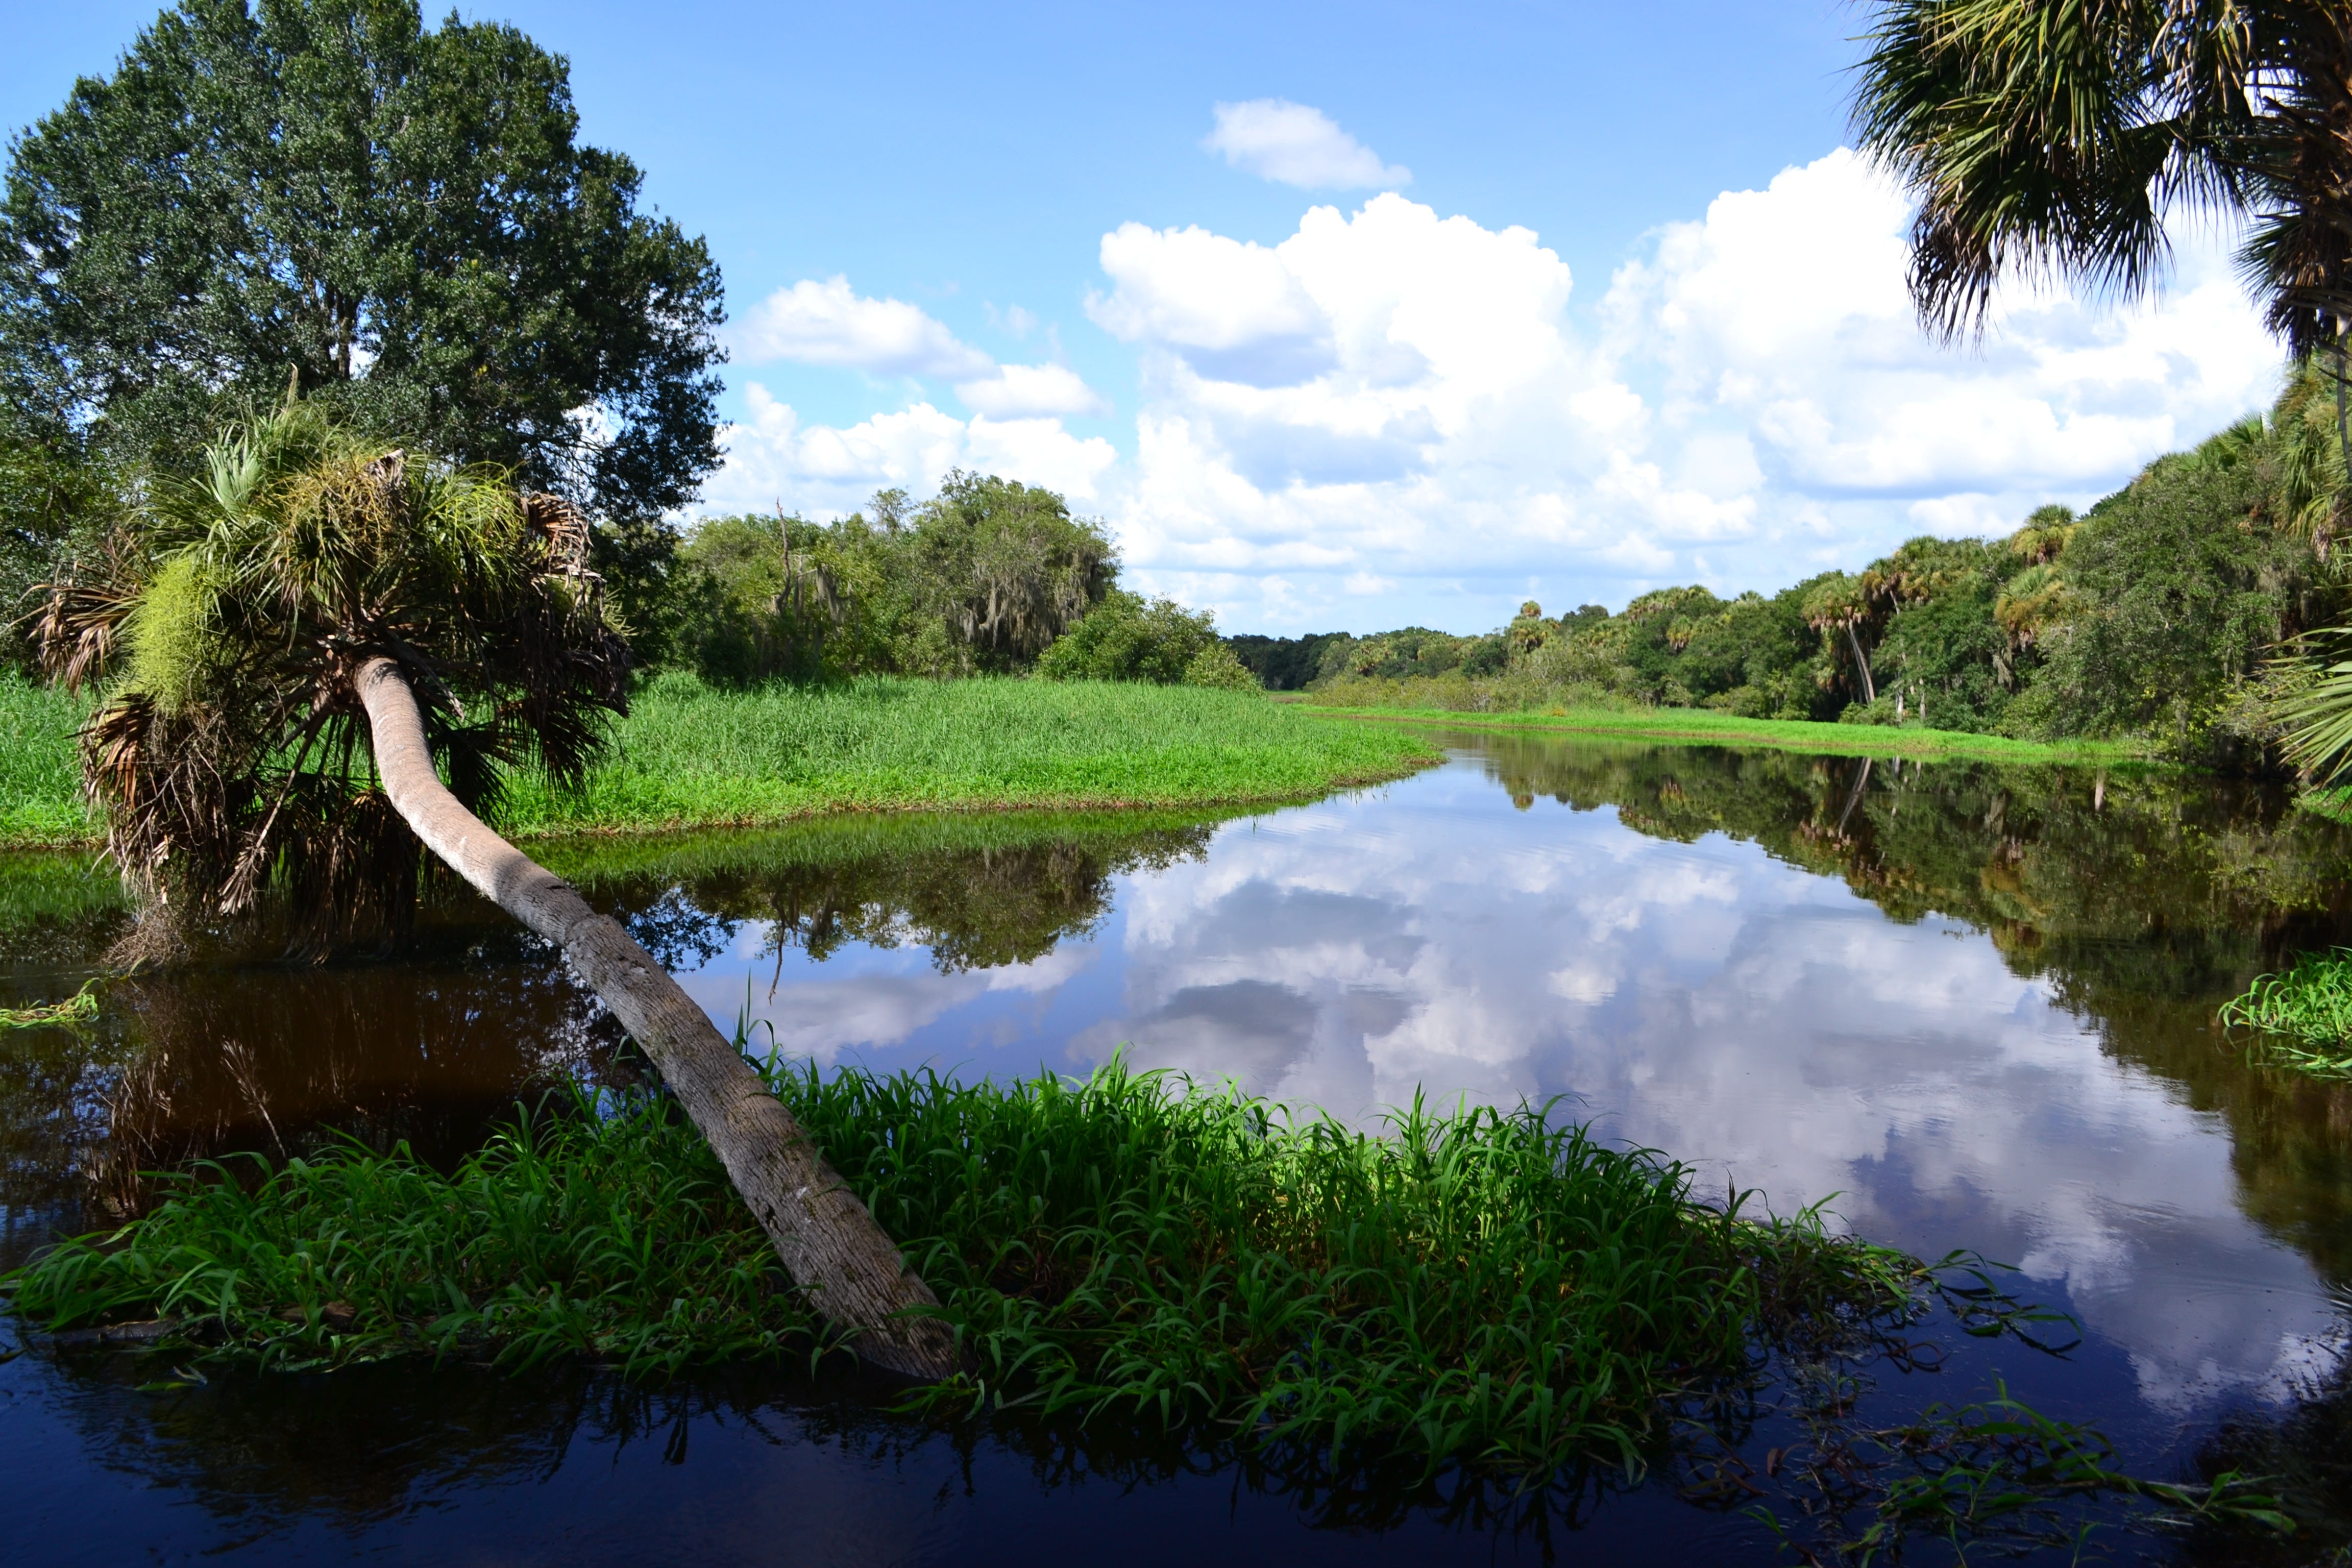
[1461, 304]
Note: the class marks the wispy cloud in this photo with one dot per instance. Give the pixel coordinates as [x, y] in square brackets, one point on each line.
[1276, 139]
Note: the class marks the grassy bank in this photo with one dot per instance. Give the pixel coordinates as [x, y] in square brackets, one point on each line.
[689, 757]
[1480, 1287]
[1704, 726]
[40, 778]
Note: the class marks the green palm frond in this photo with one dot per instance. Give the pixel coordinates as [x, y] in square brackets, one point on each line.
[2319, 724]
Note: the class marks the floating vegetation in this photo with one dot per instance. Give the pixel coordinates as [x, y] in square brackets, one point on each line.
[1998, 1474]
[1479, 1287]
[2307, 1010]
[81, 1007]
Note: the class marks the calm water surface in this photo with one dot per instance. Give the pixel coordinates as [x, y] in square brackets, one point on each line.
[1962, 1006]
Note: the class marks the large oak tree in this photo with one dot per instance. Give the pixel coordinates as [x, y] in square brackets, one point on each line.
[400, 218]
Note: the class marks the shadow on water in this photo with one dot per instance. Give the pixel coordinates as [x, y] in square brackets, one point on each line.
[2140, 901]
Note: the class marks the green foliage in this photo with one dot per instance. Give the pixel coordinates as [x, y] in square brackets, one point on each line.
[2041, 138]
[54, 497]
[1479, 1286]
[1216, 668]
[1283, 664]
[981, 579]
[41, 799]
[400, 216]
[1127, 637]
[689, 755]
[2178, 587]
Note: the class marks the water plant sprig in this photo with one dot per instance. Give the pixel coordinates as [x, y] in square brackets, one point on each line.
[2307, 1011]
[81, 1007]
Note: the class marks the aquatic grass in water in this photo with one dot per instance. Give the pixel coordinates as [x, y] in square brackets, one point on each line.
[1476, 1286]
[81, 1007]
[2309, 1006]
[614, 1237]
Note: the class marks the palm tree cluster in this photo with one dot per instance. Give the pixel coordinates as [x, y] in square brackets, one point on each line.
[226, 625]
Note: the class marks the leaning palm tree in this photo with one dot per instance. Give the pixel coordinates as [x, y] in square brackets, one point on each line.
[325, 652]
[2057, 137]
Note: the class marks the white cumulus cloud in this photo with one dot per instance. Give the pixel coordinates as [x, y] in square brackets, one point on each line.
[829, 323]
[776, 458]
[1276, 139]
[1394, 415]
[1013, 390]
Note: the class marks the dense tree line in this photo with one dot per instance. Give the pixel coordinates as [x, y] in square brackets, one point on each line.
[2176, 609]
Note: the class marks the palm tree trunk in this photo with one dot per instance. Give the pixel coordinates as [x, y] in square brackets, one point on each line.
[828, 1241]
[1861, 663]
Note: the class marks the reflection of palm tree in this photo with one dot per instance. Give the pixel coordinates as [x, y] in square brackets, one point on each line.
[298, 647]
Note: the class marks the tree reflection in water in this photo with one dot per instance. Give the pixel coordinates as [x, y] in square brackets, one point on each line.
[2140, 899]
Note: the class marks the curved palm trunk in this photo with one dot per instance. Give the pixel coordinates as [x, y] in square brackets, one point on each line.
[828, 1241]
[1861, 663]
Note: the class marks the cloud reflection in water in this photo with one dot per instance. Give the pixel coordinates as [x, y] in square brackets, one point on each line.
[1705, 998]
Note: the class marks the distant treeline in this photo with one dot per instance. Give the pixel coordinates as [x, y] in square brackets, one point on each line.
[2175, 610]
[988, 577]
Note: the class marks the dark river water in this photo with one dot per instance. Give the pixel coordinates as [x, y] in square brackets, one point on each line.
[1963, 1006]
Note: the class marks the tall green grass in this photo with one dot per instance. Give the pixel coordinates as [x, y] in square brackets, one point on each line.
[689, 755]
[1476, 1286]
[40, 774]
[1457, 703]
[2307, 1011]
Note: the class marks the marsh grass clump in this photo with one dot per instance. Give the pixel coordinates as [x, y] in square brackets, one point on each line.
[2306, 1010]
[598, 1229]
[1476, 1286]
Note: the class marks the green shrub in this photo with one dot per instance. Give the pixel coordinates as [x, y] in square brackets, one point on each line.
[1127, 637]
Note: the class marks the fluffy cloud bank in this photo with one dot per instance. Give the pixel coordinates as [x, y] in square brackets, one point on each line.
[774, 458]
[1396, 415]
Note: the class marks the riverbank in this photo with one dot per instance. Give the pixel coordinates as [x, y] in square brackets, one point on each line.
[1702, 726]
[690, 756]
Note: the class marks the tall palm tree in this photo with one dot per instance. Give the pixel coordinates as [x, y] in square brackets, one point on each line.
[2056, 137]
[295, 649]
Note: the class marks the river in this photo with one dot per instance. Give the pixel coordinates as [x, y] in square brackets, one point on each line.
[1961, 1006]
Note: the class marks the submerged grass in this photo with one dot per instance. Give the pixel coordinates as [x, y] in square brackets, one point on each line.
[2307, 1011]
[1474, 1287]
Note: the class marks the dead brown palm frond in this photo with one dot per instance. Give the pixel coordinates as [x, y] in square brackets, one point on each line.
[229, 752]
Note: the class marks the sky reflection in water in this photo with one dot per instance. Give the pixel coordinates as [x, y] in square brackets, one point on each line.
[1763, 1022]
